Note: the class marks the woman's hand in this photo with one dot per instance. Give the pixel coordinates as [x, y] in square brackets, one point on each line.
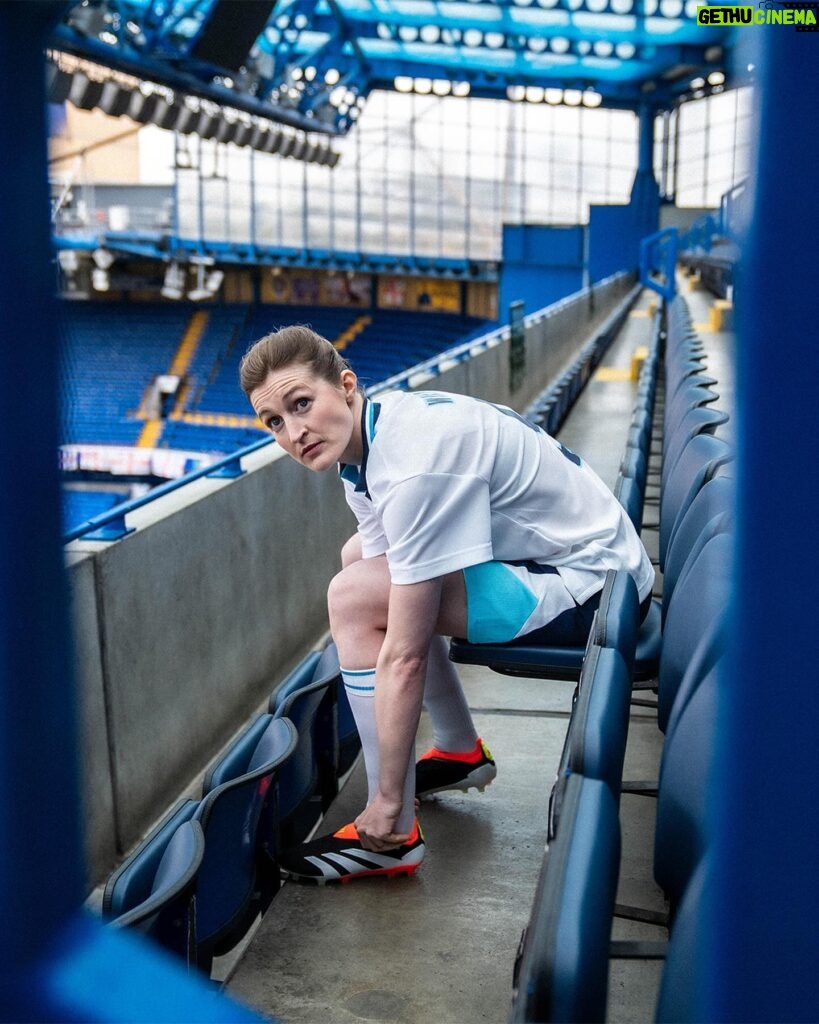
[376, 825]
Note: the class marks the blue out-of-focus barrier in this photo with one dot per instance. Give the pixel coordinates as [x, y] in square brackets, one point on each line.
[658, 262]
[56, 963]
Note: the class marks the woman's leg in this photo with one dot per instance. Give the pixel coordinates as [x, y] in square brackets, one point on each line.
[358, 601]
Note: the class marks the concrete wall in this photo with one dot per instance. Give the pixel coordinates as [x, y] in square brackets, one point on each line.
[183, 627]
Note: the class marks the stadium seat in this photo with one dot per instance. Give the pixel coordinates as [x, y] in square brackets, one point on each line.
[314, 668]
[685, 970]
[309, 780]
[618, 609]
[630, 495]
[700, 602]
[686, 772]
[711, 512]
[701, 419]
[154, 891]
[562, 966]
[698, 461]
[230, 889]
[308, 697]
[598, 728]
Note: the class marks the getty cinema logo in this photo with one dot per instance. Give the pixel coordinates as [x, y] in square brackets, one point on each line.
[803, 16]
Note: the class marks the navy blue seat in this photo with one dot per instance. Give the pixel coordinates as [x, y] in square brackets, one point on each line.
[700, 419]
[309, 781]
[562, 968]
[155, 893]
[618, 610]
[711, 512]
[698, 462]
[233, 881]
[686, 969]
[595, 744]
[600, 718]
[699, 605]
[686, 775]
[315, 668]
[634, 464]
[692, 392]
[631, 496]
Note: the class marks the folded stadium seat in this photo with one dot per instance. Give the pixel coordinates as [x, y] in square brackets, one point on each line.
[615, 625]
[686, 776]
[699, 605]
[697, 463]
[230, 888]
[686, 969]
[156, 896]
[595, 744]
[631, 497]
[309, 781]
[640, 429]
[711, 512]
[692, 391]
[634, 464]
[319, 673]
[701, 419]
[561, 973]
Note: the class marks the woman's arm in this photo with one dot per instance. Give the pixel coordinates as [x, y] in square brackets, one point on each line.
[400, 674]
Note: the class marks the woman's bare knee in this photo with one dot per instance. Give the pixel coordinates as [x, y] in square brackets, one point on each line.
[360, 593]
[351, 551]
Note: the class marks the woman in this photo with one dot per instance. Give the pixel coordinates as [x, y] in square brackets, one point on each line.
[472, 522]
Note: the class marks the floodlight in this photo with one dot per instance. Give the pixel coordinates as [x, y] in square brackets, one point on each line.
[172, 286]
[99, 280]
[103, 258]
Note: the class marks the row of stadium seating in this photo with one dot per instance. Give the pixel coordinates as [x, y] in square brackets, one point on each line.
[562, 969]
[109, 356]
[112, 354]
[202, 877]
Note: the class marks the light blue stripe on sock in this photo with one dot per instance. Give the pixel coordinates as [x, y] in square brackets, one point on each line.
[359, 680]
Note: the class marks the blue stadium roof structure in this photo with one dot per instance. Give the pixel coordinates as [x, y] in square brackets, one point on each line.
[312, 65]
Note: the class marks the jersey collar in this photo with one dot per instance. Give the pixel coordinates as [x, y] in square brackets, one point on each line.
[357, 475]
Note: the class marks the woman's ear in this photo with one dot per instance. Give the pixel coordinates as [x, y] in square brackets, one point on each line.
[349, 383]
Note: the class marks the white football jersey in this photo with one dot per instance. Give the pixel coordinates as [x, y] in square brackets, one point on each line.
[448, 481]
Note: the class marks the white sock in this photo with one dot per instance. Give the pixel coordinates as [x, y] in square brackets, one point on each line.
[359, 685]
[452, 727]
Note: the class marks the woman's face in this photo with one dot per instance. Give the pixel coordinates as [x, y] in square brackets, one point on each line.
[316, 422]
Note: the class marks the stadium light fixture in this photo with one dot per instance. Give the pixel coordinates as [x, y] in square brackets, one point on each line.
[100, 281]
[102, 258]
[174, 283]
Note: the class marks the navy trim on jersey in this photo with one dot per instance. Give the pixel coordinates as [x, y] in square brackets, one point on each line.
[357, 475]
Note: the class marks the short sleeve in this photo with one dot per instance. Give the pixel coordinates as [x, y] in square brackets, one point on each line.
[373, 540]
[435, 523]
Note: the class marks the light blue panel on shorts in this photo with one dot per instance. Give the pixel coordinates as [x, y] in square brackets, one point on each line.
[497, 603]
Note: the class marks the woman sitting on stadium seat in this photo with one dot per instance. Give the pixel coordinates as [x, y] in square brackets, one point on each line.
[472, 522]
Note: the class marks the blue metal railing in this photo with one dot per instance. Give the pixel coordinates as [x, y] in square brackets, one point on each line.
[110, 525]
[658, 262]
